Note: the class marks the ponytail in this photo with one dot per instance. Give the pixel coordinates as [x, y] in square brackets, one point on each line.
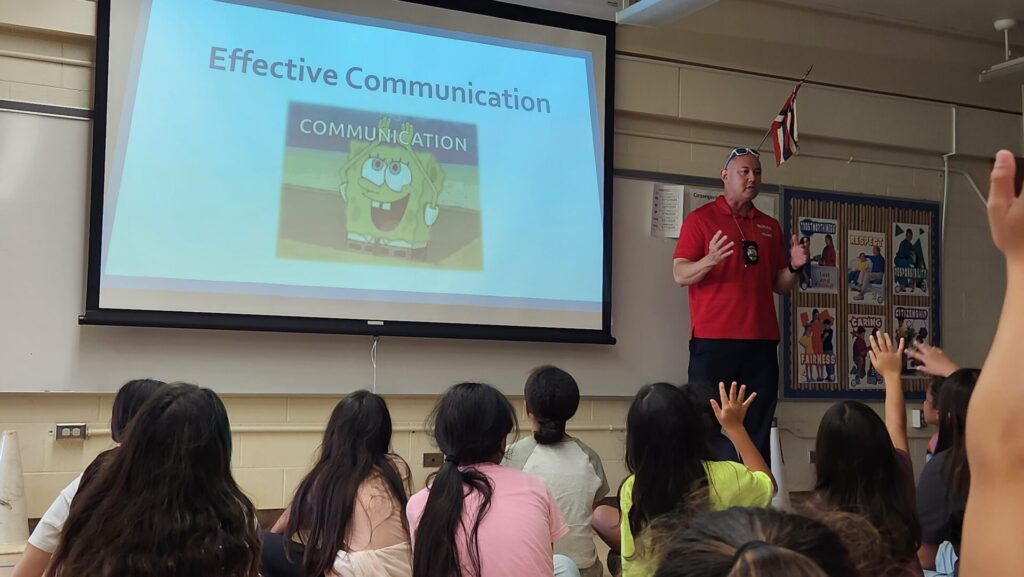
[470, 422]
[436, 552]
[552, 397]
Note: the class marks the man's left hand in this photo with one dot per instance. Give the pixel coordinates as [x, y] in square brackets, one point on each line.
[799, 254]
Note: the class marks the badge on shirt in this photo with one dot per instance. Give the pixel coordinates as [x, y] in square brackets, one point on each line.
[750, 255]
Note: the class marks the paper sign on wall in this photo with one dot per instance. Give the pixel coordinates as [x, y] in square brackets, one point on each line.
[667, 210]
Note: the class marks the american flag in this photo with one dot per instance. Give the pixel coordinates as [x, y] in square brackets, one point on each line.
[784, 131]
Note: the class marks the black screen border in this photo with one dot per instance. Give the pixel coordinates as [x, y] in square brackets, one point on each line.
[95, 315]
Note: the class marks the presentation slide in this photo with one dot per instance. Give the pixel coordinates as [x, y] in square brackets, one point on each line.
[392, 162]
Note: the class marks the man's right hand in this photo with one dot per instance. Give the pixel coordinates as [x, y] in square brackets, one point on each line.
[719, 249]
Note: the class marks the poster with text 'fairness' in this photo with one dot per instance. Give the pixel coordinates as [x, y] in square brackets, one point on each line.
[817, 340]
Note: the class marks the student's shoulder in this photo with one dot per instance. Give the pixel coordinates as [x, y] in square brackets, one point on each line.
[519, 452]
[730, 472]
[400, 466]
[511, 476]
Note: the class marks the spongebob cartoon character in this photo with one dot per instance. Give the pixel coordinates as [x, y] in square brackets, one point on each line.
[391, 195]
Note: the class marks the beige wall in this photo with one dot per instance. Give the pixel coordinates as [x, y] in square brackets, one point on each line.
[267, 465]
[664, 105]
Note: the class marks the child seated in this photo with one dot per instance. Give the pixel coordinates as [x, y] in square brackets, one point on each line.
[164, 504]
[476, 517]
[348, 514]
[571, 470]
[753, 542]
[41, 544]
[668, 454]
[863, 466]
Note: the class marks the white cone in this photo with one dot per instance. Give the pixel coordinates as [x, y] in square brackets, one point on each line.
[781, 500]
[13, 514]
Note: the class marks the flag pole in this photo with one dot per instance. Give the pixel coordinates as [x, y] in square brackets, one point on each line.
[798, 85]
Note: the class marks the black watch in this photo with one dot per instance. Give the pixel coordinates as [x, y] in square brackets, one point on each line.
[795, 270]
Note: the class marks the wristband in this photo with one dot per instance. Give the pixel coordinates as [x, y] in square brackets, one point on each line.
[795, 270]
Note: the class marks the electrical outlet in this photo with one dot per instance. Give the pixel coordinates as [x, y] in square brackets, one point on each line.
[917, 419]
[62, 431]
[432, 460]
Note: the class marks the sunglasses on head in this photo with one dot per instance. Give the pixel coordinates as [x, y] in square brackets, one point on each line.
[741, 152]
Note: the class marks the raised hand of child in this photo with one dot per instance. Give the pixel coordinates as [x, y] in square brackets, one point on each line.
[933, 361]
[886, 359]
[734, 405]
[1005, 211]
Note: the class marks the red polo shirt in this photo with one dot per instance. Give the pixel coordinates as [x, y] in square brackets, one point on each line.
[733, 301]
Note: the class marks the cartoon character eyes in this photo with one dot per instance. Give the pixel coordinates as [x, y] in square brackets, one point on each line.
[373, 170]
[398, 175]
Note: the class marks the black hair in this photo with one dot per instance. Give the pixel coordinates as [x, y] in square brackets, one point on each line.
[165, 503]
[129, 399]
[552, 397]
[743, 542]
[952, 403]
[935, 387]
[666, 444]
[470, 424]
[700, 394]
[857, 471]
[354, 449]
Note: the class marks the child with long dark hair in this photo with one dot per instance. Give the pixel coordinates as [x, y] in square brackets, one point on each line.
[164, 504]
[33, 562]
[571, 470]
[863, 466]
[946, 479]
[348, 513]
[668, 454]
[477, 518]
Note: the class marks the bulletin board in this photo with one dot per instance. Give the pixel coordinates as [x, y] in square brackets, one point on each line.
[874, 266]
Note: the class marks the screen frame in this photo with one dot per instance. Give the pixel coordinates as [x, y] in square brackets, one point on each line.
[95, 315]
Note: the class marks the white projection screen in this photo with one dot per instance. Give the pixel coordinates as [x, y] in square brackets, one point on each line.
[377, 167]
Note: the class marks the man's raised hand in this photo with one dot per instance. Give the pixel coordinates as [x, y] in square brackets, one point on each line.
[719, 249]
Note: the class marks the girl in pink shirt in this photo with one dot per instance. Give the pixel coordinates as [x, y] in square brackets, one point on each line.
[477, 518]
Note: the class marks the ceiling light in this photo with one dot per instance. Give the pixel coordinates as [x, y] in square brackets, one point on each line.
[657, 12]
[1009, 67]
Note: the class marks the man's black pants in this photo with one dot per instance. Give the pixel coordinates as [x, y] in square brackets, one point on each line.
[754, 363]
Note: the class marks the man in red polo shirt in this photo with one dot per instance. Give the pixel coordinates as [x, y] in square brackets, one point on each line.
[732, 257]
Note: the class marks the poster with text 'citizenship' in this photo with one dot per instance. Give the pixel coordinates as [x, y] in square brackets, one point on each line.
[860, 328]
[821, 275]
[817, 345]
[865, 266]
[913, 324]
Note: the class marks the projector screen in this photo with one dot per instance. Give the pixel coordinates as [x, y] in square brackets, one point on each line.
[371, 167]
